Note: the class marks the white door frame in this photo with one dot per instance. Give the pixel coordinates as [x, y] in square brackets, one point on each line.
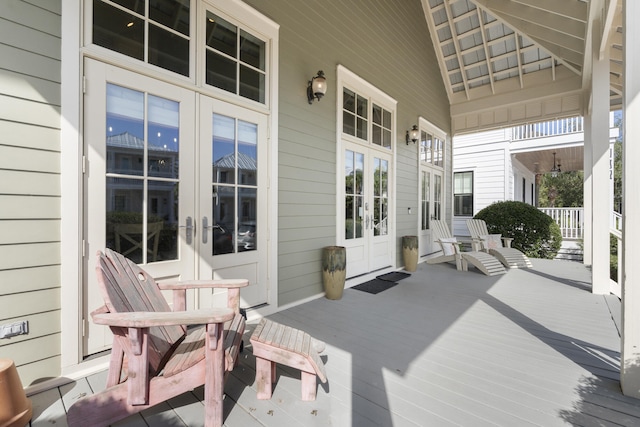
[251, 264]
[99, 75]
[71, 227]
[426, 243]
[427, 164]
[366, 263]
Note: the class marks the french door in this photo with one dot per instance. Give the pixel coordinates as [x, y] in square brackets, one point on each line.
[232, 199]
[173, 181]
[367, 199]
[430, 207]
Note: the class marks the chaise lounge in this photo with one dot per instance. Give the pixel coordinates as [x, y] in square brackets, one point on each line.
[496, 245]
[483, 261]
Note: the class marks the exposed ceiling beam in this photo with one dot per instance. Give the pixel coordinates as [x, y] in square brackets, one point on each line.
[536, 85]
[574, 9]
[442, 61]
[610, 29]
[546, 19]
[569, 50]
[456, 42]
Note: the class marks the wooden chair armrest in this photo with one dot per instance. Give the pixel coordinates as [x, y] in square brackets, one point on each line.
[180, 290]
[102, 309]
[507, 241]
[477, 244]
[144, 319]
[199, 284]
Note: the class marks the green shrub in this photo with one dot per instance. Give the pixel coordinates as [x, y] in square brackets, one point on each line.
[613, 257]
[534, 233]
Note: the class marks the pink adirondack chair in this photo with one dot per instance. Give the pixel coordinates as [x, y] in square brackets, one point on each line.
[154, 356]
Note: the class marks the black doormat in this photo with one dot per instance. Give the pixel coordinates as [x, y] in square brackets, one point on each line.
[394, 276]
[374, 286]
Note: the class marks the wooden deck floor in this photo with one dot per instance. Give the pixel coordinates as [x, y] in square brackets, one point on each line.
[532, 347]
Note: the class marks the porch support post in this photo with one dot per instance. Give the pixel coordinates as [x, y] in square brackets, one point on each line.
[587, 237]
[630, 358]
[600, 215]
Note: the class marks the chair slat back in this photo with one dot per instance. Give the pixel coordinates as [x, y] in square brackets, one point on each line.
[440, 229]
[477, 228]
[125, 287]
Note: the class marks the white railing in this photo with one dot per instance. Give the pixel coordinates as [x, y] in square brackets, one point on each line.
[616, 285]
[616, 231]
[551, 128]
[570, 221]
[616, 221]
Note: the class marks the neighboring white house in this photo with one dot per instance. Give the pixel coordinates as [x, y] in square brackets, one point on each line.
[503, 164]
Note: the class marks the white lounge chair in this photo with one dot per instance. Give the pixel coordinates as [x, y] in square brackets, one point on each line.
[483, 261]
[496, 245]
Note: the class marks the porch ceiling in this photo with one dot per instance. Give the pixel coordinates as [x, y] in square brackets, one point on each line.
[541, 161]
[505, 62]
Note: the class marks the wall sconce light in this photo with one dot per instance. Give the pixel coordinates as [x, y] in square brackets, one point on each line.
[317, 87]
[555, 170]
[412, 135]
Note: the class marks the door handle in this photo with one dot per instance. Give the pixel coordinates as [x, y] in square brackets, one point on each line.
[205, 227]
[190, 229]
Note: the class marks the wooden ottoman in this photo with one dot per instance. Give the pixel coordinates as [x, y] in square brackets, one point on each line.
[275, 343]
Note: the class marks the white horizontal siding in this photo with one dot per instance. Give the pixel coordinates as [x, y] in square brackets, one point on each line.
[29, 136]
[376, 40]
[30, 122]
[488, 166]
[488, 137]
[29, 279]
[29, 231]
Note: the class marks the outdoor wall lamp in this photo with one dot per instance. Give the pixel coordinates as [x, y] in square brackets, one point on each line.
[412, 135]
[555, 170]
[317, 87]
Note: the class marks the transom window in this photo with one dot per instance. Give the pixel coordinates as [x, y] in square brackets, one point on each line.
[153, 31]
[235, 59]
[365, 119]
[159, 32]
[431, 149]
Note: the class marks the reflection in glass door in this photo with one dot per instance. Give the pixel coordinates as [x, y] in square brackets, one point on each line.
[234, 185]
[430, 207]
[366, 208]
[354, 194]
[140, 186]
[233, 202]
[142, 176]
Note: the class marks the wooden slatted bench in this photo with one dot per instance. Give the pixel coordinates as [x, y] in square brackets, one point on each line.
[275, 343]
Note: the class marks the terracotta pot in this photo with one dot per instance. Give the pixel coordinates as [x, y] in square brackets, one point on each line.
[15, 408]
[410, 252]
[334, 271]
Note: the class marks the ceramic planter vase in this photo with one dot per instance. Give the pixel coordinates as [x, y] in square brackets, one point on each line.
[410, 252]
[15, 408]
[334, 271]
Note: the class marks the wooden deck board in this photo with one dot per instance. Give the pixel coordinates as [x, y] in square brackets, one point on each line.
[444, 347]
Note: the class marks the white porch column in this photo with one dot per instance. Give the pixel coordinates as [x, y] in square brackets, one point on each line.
[587, 234]
[630, 359]
[600, 195]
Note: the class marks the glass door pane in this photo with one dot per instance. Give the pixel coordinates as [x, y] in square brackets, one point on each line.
[234, 185]
[426, 200]
[380, 197]
[437, 196]
[142, 175]
[354, 194]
